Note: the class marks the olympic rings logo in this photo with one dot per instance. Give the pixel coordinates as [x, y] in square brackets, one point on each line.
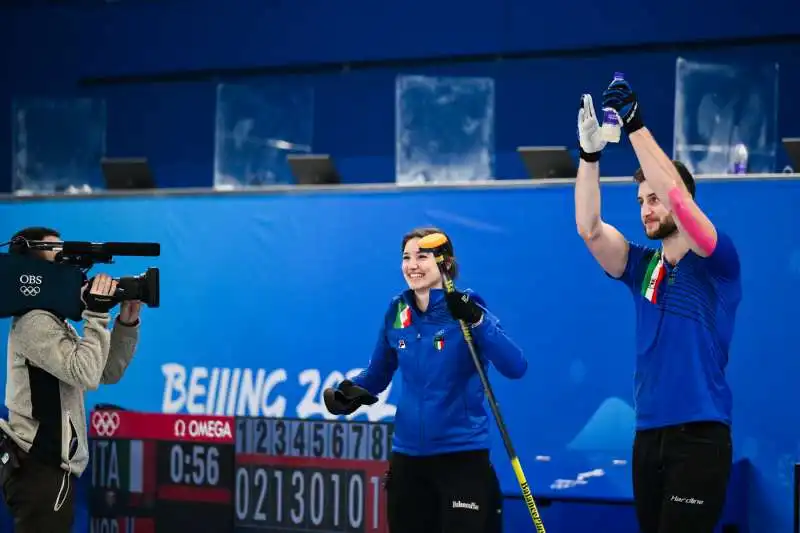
[105, 423]
[29, 290]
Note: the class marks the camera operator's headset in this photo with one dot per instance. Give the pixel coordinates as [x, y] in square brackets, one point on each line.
[20, 246]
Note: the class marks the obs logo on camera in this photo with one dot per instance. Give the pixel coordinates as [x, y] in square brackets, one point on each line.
[29, 284]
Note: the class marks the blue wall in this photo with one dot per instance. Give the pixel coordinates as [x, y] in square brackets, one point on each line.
[192, 35]
[172, 122]
[284, 283]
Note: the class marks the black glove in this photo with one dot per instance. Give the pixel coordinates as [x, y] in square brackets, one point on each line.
[97, 303]
[348, 397]
[620, 97]
[463, 308]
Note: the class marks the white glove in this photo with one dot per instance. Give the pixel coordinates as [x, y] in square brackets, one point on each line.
[591, 140]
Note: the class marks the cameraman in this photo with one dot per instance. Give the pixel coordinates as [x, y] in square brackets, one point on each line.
[43, 445]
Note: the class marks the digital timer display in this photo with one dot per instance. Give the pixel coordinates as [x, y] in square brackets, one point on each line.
[194, 464]
[195, 483]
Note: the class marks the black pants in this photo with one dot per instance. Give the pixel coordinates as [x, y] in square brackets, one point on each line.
[680, 477]
[31, 493]
[448, 493]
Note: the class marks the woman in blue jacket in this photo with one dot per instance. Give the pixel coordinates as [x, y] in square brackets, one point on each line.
[440, 478]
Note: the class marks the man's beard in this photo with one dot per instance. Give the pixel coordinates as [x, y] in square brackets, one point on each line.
[665, 229]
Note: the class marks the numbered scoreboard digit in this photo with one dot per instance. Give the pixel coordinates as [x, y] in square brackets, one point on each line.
[355, 502]
[262, 435]
[299, 429]
[357, 441]
[296, 510]
[338, 440]
[243, 435]
[319, 432]
[378, 449]
[281, 438]
[241, 498]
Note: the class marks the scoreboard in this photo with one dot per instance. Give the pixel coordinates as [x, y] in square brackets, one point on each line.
[311, 475]
[153, 473]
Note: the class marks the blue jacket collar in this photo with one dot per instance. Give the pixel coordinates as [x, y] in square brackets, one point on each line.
[436, 299]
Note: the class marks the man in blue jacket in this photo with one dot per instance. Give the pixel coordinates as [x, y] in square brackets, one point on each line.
[440, 479]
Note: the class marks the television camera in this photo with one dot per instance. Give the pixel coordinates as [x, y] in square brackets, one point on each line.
[30, 282]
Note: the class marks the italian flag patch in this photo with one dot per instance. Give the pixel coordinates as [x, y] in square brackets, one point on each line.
[438, 343]
[653, 278]
[403, 317]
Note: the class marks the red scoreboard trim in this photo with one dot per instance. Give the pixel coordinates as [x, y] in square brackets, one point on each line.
[185, 493]
[170, 427]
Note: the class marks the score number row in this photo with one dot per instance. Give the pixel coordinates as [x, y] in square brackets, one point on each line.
[309, 499]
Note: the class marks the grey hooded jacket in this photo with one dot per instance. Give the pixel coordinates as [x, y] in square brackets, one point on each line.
[50, 367]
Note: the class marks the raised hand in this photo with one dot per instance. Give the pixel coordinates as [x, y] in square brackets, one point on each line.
[590, 139]
[620, 97]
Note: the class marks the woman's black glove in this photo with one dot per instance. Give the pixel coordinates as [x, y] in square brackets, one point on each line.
[462, 307]
[348, 397]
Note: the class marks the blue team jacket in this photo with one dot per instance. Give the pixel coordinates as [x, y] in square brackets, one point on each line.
[441, 405]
